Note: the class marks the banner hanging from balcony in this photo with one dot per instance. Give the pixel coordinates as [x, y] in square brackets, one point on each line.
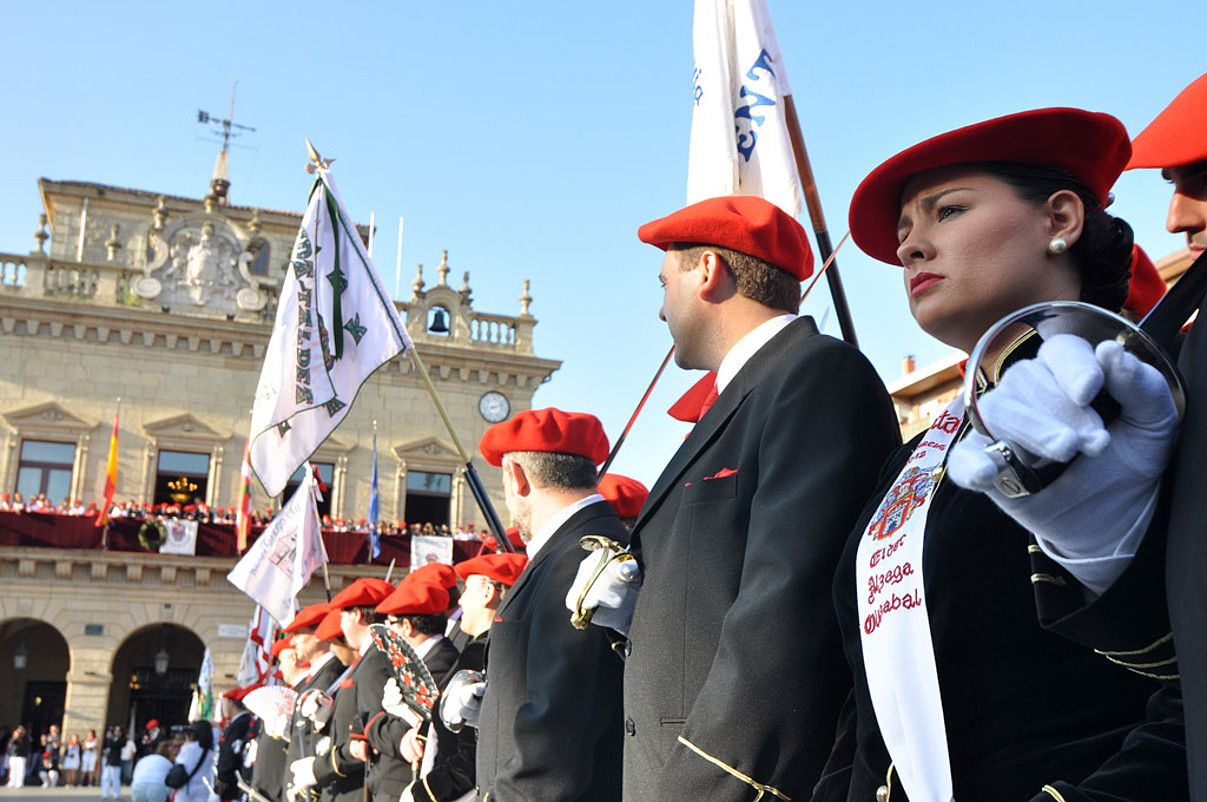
[335, 326]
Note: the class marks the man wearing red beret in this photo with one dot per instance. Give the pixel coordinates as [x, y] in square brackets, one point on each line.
[550, 719]
[1142, 603]
[230, 769]
[736, 674]
[322, 672]
[625, 494]
[336, 769]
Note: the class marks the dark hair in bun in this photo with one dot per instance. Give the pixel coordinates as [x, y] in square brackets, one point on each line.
[1103, 253]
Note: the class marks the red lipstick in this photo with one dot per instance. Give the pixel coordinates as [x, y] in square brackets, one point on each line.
[921, 282]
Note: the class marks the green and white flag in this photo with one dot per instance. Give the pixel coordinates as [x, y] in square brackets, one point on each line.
[335, 326]
[201, 708]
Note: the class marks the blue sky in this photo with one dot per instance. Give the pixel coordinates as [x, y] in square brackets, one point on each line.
[531, 139]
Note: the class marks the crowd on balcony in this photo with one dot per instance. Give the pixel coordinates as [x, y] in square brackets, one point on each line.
[204, 513]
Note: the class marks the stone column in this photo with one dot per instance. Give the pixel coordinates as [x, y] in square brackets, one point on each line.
[88, 692]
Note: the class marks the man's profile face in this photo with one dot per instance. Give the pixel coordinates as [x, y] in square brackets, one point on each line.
[1188, 207]
[680, 307]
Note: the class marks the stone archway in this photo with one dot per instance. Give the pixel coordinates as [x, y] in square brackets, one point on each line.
[33, 693]
[140, 692]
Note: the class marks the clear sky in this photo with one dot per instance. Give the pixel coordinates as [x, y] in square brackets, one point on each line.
[531, 139]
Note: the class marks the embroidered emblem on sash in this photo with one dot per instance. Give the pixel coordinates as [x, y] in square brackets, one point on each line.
[909, 493]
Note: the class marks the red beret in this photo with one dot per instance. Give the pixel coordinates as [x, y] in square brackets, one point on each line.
[440, 573]
[152, 723]
[329, 628]
[546, 430]
[744, 223]
[626, 495]
[513, 537]
[237, 694]
[1145, 287]
[1176, 137]
[502, 568]
[1091, 146]
[415, 597]
[364, 592]
[309, 616]
[281, 644]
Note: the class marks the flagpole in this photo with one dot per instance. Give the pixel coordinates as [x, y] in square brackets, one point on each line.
[471, 474]
[817, 217]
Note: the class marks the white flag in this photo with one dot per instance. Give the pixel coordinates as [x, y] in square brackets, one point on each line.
[335, 325]
[281, 561]
[739, 136]
[201, 707]
[181, 537]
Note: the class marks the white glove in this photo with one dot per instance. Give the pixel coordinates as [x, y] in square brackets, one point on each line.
[391, 699]
[407, 796]
[461, 702]
[317, 707]
[612, 595]
[1092, 517]
[249, 754]
[303, 773]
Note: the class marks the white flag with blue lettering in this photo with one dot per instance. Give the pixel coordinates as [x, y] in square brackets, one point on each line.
[335, 326]
[739, 136]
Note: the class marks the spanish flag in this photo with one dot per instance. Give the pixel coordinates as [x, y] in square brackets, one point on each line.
[110, 476]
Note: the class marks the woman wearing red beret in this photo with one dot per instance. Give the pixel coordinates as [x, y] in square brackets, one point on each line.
[958, 691]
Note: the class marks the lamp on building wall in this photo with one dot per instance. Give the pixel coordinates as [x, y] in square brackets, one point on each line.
[161, 661]
[20, 656]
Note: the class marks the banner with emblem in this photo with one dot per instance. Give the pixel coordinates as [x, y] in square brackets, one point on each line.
[335, 326]
[281, 561]
[739, 135]
[180, 537]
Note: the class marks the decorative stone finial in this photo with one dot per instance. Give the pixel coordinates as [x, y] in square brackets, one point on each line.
[525, 299]
[465, 283]
[442, 269]
[41, 235]
[113, 244]
[160, 215]
[254, 225]
[417, 284]
[211, 203]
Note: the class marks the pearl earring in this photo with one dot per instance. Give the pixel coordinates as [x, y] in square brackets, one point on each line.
[1057, 246]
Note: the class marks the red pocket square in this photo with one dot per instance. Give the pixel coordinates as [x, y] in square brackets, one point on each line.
[721, 474]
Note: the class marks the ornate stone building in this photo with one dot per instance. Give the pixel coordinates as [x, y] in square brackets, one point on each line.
[166, 303]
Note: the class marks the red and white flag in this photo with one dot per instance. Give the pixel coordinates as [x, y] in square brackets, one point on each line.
[281, 561]
[243, 514]
[256, 662]
[739, 136]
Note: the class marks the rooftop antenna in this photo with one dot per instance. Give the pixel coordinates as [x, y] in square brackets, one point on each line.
[220, 183]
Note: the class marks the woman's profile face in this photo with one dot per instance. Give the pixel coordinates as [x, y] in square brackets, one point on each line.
[974, 251]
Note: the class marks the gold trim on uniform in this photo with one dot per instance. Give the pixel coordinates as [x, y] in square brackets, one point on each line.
[428, 788]
[1059, 797]
[1145, 650]
[1059, 581]
[1034, 549]
[335, 767]
[1157, 664]
[885, 792]
[758, 786]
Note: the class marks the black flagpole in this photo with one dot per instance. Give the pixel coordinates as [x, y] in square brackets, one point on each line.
[818, 218]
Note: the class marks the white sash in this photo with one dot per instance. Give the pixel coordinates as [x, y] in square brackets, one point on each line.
[898, 655]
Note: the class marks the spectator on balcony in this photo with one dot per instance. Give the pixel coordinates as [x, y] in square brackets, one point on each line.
[77, 508]
[6, 502]
[18, 504]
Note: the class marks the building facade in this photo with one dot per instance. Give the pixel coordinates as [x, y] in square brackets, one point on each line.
[166, 303]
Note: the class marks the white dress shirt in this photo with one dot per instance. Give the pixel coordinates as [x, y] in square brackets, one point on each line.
[747, 347]
[554, 523]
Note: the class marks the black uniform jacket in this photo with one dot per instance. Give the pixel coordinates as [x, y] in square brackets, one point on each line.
[735, 653]
[230, 757]
[1023, 708]
[1153, 619]
[453, 774]
[273, 756]
[550, 720]
[301, 740]
[384, 731]
[339, 774]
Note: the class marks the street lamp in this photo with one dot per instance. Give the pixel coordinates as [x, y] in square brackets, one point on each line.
[161, 661]
[20, 656]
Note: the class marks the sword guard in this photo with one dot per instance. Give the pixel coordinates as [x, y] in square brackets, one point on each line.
[609, 551]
